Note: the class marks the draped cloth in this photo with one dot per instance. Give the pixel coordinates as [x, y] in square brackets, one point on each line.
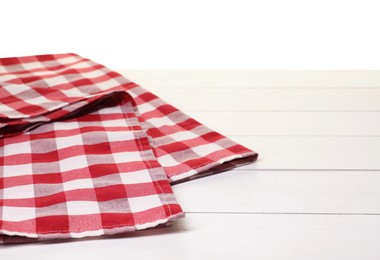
[86, 152]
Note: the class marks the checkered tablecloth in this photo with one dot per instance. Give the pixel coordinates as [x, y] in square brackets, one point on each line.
[86, 152]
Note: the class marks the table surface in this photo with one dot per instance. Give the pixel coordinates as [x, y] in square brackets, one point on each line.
[314, 193]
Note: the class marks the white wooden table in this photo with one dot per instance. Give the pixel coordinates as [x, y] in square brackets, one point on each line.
[314, 193]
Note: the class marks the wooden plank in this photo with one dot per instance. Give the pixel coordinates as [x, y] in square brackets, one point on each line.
[283, 192]
[284, 99]
[228, 236]
[319, 153]
[313, 160]
[199, 79]
[291, 123]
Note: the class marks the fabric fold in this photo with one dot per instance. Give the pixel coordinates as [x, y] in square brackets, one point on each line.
[86, 152]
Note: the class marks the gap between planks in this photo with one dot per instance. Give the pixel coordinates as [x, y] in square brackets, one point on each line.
[284, 213]
[282, 192]
[250, 78]
[311, 170]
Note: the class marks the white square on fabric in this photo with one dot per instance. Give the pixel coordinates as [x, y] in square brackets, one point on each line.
[167, 160]
[73, 92]
[17, 170]
[6, 77]
[82, 65]
[78, 184]
[67, 59]
[32, 65]
[82, 207]
[120, 136]
[58, 80]
[126, 157]
[92, 74]
[110, 110]
[17, 148]
[105, 85]
[115, 122]
[16, 89]
[72, 163]
[145, 107]
[67, 141]
[183, 135]
[162, 121]
[139, 204]
[135, 177]
[19, 192]
[18, 213]
[64, 125]
[206, 149]
[40, 100]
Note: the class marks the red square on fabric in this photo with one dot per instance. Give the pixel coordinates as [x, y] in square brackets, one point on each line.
[52, 224]
[111, 192]
[112, 220]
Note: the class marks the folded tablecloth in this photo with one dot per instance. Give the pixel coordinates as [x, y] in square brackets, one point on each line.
[86, 152]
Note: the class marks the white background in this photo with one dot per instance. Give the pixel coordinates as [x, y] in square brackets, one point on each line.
[198, 34]
[314, 192]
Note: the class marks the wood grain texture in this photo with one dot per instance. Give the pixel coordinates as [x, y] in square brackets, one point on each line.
[267, 99]
[255, 191]
[313, 152]
[313, 194]
[231, 79]
[228, 236]
[292, 123]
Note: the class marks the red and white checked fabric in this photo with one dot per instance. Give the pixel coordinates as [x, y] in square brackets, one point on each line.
[86, 152]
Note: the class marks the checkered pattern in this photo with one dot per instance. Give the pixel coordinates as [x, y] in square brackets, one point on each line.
[86, 152]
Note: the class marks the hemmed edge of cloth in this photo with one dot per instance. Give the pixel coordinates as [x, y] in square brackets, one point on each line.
[7, 237]
[206, 170]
